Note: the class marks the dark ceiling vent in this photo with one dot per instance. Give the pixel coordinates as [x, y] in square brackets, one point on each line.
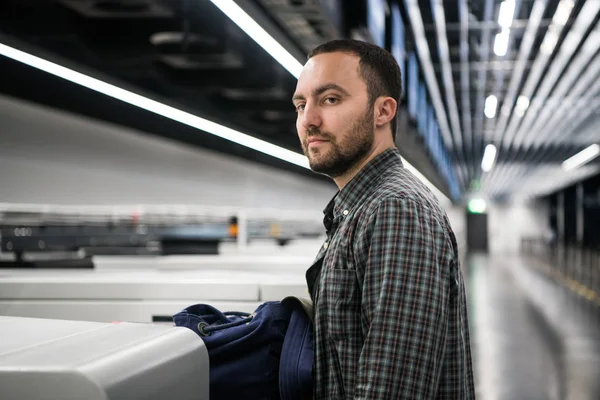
[182, 42]
[129, 6]
[190, 62]
[119, 8]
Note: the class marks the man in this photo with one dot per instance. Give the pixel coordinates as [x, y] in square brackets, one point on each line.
[389, 299]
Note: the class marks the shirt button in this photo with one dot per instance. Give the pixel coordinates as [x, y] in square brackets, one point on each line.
[326, 245]
[346, 212]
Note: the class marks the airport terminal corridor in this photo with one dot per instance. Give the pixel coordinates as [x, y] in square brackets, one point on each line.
[215, 199]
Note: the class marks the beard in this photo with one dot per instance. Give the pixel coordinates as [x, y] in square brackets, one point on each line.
[342, 154]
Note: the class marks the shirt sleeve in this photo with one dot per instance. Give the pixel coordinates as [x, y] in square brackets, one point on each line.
[404, 303]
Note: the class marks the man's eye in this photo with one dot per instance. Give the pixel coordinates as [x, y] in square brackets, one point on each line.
[300, 107]
[331, 100]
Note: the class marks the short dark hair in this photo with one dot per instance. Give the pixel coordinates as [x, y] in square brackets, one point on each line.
[378, 68]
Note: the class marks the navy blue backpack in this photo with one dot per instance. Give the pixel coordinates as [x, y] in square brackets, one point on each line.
[265, 355]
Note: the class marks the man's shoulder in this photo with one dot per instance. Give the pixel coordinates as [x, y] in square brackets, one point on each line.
[395, 196]
[399, 185]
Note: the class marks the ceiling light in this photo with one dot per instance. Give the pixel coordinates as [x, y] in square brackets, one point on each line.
[501, 42]
[491, 103]
[489, 158]
[259, 35]
[581, 158]
[506, 14]
[154, 106]
[563, 11]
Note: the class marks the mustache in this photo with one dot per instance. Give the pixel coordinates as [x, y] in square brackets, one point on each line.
[316, 132]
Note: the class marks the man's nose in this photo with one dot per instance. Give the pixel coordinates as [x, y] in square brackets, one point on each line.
[311, 117]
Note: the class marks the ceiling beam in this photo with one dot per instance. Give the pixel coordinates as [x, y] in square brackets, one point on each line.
[465, 78]
[533, 78]
[565, 53]
[491, 65]
[440, 18]
[535, 19]
[416, 23]
[577, 70]
[518, 24]
[535, 74]
[481, 83]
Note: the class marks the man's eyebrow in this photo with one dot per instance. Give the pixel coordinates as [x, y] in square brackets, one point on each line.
[330, 86]
[322, 89]
[297, 97]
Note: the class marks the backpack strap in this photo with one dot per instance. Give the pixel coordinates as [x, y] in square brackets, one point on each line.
[297, 353]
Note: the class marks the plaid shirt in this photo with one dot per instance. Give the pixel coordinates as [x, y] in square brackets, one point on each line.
[390, 305]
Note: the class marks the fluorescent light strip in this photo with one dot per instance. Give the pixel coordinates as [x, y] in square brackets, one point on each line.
[489, 158]
[507, 13]
[501, 42]
[491, 103]
[259, 35]
[581, 158]
[154, 106]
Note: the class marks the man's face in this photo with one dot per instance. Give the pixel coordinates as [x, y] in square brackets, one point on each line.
[335, 122]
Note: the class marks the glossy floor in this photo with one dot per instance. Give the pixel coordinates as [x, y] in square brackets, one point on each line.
[532, 339]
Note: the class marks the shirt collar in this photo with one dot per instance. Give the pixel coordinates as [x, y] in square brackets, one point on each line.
[361, 185]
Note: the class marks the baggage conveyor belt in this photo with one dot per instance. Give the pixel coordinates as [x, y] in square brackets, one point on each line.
[140, 295]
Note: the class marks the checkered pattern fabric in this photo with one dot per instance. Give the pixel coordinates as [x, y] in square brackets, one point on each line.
[390, 305]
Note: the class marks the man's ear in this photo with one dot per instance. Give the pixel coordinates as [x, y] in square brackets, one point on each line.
[385, 110]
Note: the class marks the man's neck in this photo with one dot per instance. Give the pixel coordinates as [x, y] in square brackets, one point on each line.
[342, 180]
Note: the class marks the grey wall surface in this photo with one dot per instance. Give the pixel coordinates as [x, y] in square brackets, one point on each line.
[509, 223]
[51, 157]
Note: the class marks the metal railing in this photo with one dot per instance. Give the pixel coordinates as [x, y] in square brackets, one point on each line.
[570, 265]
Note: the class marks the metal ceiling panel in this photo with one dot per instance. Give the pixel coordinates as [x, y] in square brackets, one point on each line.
[535, 19]
[416, 22]
[558, 66]
[444, 54]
